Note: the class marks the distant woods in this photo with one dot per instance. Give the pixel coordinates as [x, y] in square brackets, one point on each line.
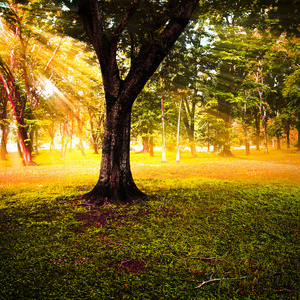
[238, 83]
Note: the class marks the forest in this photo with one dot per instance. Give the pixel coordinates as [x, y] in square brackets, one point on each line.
[226, 82]
[191, 109]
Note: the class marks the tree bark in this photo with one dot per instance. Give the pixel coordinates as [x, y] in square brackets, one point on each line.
[278, 141]
[26, 154]
[95, 134]
[226, 152]
[115, 181]
[151, 146]
[208, 138]
[264, 119]
[52, 135]
[287, 131]
[145, 142]
[257, 130]
[64, 139]
[298, 131]
[244, 115]
[79, 124]
[3, 142]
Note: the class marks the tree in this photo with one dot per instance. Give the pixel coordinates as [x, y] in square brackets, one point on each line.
[146, 116]
[21, 62]
[292, 91]
[187, 76]
[3, 122]
[152, 29]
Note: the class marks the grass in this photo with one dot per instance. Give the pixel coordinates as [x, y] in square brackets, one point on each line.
[231, 225]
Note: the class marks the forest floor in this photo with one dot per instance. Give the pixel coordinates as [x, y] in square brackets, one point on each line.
[212, 228]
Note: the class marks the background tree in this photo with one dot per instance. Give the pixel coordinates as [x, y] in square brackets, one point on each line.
[3, 122]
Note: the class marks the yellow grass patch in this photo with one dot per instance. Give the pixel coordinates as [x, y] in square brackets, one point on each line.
[278, 165]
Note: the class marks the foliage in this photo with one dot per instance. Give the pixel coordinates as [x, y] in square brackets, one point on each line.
[206, 218]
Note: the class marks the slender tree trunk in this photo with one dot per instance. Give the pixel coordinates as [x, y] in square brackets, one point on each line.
[70, 137]
[226, 148]
[3, 126]
[244, 114]
[64, 139]
[79, 124]
[278, 141]
[287, 131]
[3, 142]
[208, 138]
[26, 154]
[215, 148]
[151, 147]
[115, 179]
[298, 131]
[51, 134]
[257, 130]
[36, 139]
[178, 131]
[264, 119]
[94, 134]
[163, 131]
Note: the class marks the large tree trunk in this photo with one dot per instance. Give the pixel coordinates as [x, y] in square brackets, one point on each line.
[115, 181]
[146, 148]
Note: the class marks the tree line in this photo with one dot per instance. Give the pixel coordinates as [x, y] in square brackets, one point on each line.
[197, 67]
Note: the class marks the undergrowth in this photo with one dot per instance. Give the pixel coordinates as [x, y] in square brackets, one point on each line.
[194, 238]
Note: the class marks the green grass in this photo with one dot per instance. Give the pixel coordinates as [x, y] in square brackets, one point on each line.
[206, 218]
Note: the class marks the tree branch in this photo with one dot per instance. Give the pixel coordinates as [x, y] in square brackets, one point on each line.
[152, 54]
[131, 10]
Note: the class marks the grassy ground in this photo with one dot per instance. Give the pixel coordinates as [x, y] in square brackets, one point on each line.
[212, 228]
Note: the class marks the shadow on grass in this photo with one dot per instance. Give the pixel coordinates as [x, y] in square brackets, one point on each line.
[192, 233]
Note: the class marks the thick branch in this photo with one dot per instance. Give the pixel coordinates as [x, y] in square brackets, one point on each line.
[105, 48]
[151, 55]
